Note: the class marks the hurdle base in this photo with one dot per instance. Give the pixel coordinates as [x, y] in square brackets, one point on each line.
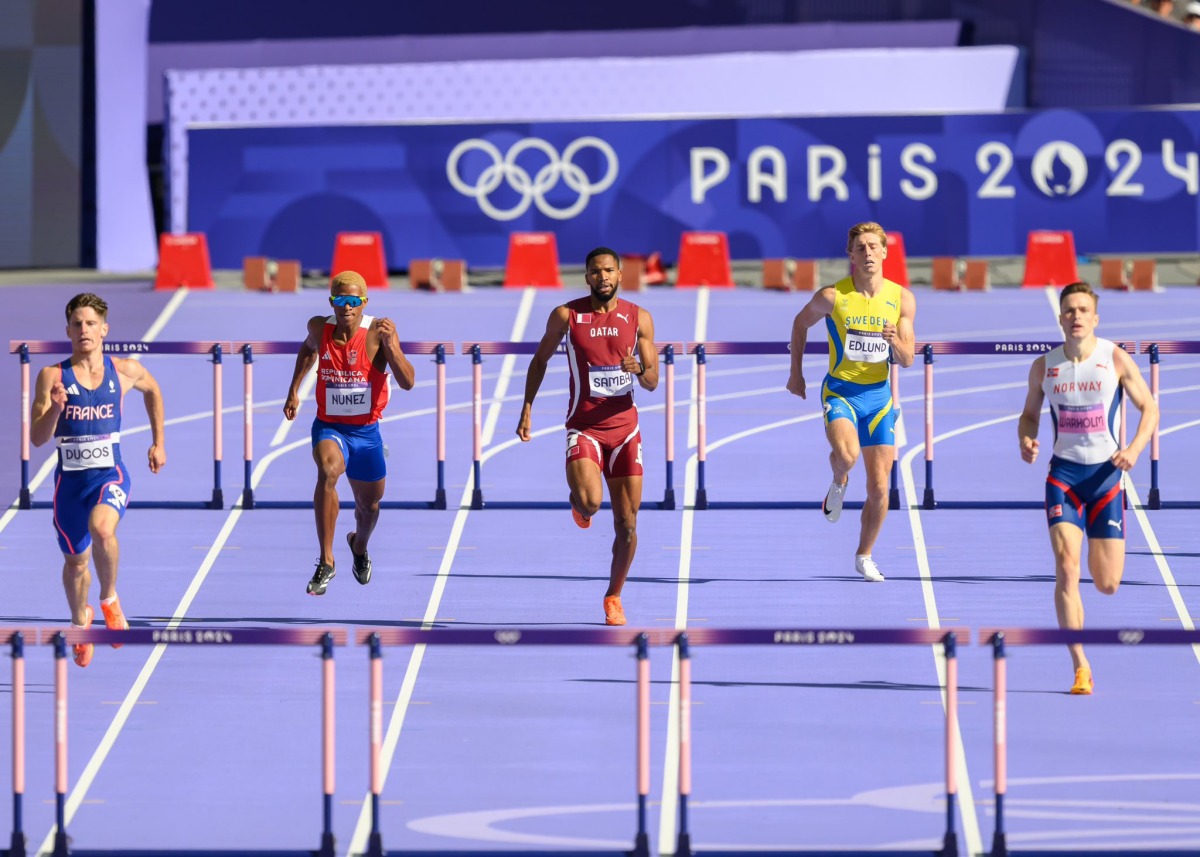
[949, 845]
[62, 844]
[218, 499]
[26, 499]
[477, 499]
[701, 498]
[668, 500]
[928, 501]
[894, 498]
[328, 846]
[16, 847]
[439, 499]
[683, 845]
[247, 498]
[1154, 499]
[641, 846]
[375, 846]
[999, 845]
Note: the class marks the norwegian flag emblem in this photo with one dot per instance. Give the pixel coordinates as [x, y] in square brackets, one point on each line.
[1055, 511]
[1052, 372]
[584, 317]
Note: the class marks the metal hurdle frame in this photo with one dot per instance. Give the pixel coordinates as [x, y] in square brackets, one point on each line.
[701, 350]
[477, 349]
[16, 639]
[1156, 350]
[195, 636]
[820, 637]
[249, 349]
[118, 348]
[376, 639]
[999, 639]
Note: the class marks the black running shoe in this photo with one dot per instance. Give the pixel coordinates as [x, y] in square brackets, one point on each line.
[362, 562]
[320, 579]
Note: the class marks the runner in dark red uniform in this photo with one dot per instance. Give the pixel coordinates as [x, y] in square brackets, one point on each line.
[610, 347]
[353, 352]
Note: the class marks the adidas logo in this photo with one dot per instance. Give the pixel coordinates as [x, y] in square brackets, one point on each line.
[73, 390]
[326, 356]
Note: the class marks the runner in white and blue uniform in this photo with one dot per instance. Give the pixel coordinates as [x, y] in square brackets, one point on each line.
[78, 402]
[1083, 380]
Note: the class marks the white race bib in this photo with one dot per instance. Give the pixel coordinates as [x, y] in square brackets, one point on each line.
[606, 381]
[867, 346]
[88, 453]
[1081, 419]
[347, 400]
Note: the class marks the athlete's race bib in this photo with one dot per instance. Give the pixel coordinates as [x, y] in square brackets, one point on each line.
[867, 346]
[88, 453]
[608, 381]
[347, 400]
[1081, 419]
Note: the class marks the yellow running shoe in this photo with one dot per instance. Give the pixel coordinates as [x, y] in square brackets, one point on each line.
[1083, 682]
[613, 613]
[114, 619]
[84, 651]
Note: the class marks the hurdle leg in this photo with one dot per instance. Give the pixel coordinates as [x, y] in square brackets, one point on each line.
[16, 846]
[701, 442]
[641, 842]
[218, 497]
[950, 840]
[683, 845]
[477, 425]
[61, 843]
[894, 488]
[375, 840]
[248, 426]
[1000, 721]
[1154, 500]
[439, 497]
[928, 501]
[328, 846]
[25, 501]
[668, 501]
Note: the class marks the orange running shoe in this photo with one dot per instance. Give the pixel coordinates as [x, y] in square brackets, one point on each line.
[84, 651]
[114, 619]
[580, 521]
[613, 614]
[1083, 682]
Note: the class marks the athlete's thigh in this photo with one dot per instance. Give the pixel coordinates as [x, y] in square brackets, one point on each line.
[843, 437]
[585, 465]
[1066, 541]
[1106, 561]
[366, 462]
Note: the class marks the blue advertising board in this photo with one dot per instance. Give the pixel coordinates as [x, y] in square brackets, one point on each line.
[970, 185]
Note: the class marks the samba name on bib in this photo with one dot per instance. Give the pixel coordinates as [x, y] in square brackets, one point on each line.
[609, 381]
[867, 346]
[347, 400]
[88, 452]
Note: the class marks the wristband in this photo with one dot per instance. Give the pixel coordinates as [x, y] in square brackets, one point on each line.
[643, 372]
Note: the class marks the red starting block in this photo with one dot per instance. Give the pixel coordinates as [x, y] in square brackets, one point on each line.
[183, 262]
[361, 252]
[1050, 259]
[532, 261]
[895, 264]
[704, 261]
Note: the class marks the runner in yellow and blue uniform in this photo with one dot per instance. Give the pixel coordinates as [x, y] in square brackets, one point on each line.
[870, 324]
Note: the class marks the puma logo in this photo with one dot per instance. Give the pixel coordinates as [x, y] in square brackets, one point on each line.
[623, 316]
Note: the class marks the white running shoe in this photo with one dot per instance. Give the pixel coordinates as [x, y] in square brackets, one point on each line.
[832, 507]
[866, 566]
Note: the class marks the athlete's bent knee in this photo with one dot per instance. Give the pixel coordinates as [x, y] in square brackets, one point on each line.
[1107, 587]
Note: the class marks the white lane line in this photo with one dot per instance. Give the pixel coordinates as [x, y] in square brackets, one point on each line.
[669, 806]
[362, 829]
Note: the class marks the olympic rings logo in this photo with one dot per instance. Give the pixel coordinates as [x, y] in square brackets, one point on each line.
[533, 189]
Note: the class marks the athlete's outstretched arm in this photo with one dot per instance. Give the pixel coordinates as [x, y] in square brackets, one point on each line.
[901, 336]
[556, 329]
[820, 306]
[305, 358]
[1135, 385]
[49, 400]
[137, 377]
[1027, 425]
[647, 359]
[389, 344]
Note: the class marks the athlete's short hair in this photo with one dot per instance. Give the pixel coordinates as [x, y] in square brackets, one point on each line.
[862, 228]
[348, 278]
[601, 251]
[1080, 288]
[87, 299]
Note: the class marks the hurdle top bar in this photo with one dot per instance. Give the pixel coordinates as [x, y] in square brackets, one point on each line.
[1172, 347]
[119, 348]
[291, 347]
[30, 635]
[532, 347]
[200, 636]
[976, 348]
[1090, 636]
[657, 636]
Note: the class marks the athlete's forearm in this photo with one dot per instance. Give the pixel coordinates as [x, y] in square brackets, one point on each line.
[155, 411]
[1147, 423]
[799, 341]
[533, 380]
[402, 369]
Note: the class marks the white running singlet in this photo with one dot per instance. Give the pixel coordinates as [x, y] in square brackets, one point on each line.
[1085, 404]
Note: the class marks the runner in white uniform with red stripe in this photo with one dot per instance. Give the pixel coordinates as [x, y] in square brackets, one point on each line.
[610, 346]
[1083, 380]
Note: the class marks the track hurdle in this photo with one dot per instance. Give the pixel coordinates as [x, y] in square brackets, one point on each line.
[248, 351]
[16, 638]
[821, 637]
[701, 350]
[1028, 349]
[999, 639]
[1156, 350]
[377, 639]
[123, 349]
[195, 636]
[477, 349]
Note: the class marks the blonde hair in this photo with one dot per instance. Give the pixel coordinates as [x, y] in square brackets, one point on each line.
[348, 278]
[862, 228]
